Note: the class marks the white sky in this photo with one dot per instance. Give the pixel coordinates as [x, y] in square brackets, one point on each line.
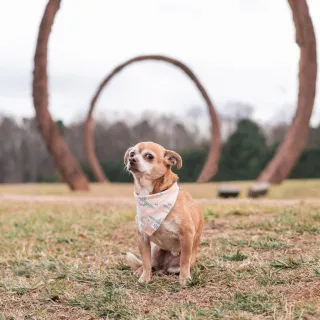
[242, 50]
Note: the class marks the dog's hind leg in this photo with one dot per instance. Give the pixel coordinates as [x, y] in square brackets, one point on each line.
[133, 261]
[158, 257]
[173, 263]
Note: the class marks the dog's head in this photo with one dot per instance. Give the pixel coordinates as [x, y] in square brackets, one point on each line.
[150, 160]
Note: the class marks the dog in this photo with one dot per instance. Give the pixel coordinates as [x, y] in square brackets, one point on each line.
[169, 223]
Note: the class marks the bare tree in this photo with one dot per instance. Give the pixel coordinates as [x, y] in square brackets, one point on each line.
[238, 110]
[11, 140]
[289, 151]
[211, 164]
[63, 159]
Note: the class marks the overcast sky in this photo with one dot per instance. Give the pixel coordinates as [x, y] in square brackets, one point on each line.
[241, 50]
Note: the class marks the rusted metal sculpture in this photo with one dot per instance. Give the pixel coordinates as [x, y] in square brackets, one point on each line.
[63, 159]
[291, 148]
[211, 164]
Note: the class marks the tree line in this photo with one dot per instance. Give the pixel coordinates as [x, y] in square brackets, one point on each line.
[244, 155]
[24, 158]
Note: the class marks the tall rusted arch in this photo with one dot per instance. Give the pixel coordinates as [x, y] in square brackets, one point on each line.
[288, 153]
[211, 165]
[62, 157]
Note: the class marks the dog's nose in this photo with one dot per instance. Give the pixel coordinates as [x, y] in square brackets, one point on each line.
[132, 161]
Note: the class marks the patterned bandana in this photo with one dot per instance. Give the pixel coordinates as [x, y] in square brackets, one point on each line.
[153, 209]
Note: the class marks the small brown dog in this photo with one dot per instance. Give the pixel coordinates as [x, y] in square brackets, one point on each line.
[169, 222]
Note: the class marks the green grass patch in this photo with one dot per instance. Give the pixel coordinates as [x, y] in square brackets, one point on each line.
[252, 302]
[287, 263]
[237, 256]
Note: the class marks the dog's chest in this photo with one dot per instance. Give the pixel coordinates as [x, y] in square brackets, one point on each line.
[167, 236]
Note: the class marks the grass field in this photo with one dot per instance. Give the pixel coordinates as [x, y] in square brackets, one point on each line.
[62, 256]
[292, 189]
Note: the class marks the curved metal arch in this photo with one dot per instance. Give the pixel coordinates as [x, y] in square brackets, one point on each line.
[56, 146]
[289, 151]
[211, 165]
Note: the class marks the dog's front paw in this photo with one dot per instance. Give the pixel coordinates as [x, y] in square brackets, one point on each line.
[138, 272]
[144, 278]
[184, 281]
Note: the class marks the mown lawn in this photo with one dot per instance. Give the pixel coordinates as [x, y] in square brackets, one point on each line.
[290, 189]
[65, 260]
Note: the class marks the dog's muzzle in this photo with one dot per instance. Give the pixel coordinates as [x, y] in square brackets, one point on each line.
[133, 165]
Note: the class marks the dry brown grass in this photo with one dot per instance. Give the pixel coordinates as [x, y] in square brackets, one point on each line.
[291, 189]
[65, 260]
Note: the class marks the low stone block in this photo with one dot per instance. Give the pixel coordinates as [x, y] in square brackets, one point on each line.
[228, 191]
[258, 190]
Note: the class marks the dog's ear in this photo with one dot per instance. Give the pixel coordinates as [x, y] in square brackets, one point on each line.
[126, 155]
[173, 159]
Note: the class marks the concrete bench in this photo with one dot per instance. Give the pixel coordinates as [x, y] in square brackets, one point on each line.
[258, 190]
[228, 191]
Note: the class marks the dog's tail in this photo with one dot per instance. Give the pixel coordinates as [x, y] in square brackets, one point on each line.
[133, 261]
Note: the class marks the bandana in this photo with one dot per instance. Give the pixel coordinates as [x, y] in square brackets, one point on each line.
[154, 208]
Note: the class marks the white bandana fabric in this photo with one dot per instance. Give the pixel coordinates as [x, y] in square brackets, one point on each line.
[154, 208]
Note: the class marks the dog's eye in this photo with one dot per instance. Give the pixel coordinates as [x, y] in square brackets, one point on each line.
[131, 154]
[149, 156]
